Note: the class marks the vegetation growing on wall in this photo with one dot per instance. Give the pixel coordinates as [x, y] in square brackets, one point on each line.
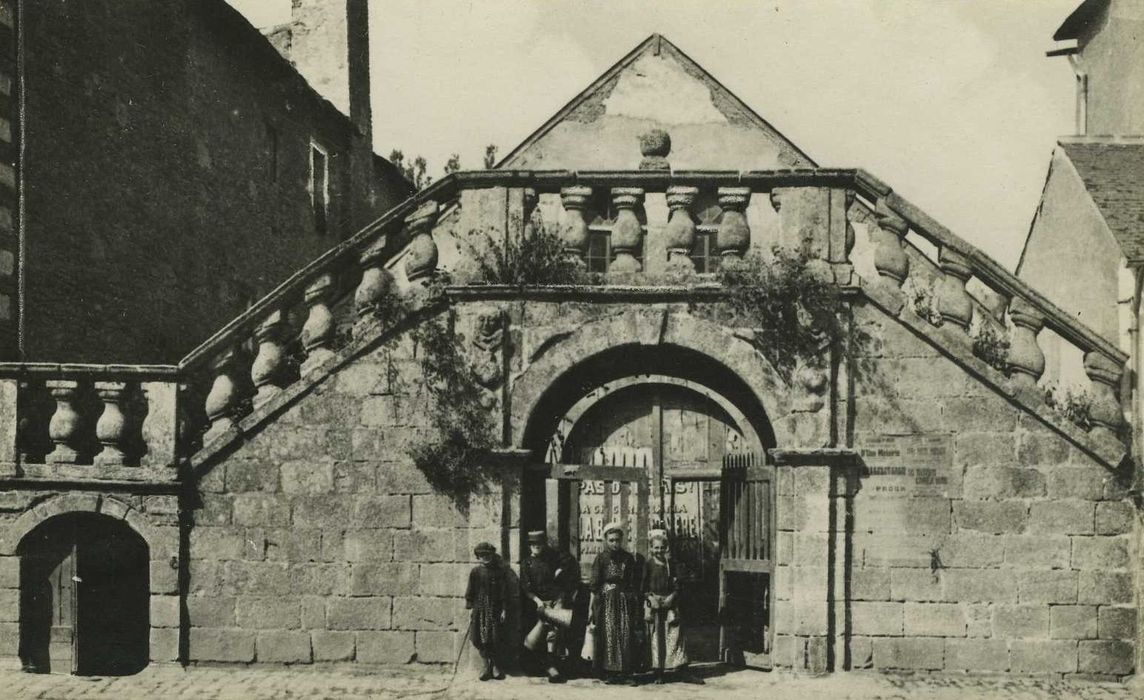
[1072, 405]
[991, 347]
[452, 455]
[797, 313]
[534, 259]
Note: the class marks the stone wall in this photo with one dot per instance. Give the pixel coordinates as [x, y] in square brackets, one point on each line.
[319, 540]
[971, 537]
[167, 169]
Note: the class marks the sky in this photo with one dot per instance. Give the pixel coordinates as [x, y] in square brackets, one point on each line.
[951, 102]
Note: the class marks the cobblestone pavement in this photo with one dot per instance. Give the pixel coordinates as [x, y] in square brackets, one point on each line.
[246, 684]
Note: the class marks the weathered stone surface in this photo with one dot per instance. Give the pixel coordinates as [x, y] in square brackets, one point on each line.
[244, 476]
[1098, 587]
[1113, 518]
[916, 585]
[368, 545]
[908, 653]
[284, 647]
[1103, 656]
[307, 476]
[381, 511]
[333, 646]
[1042, 656]
[164, 578]
[421, 613]
[209, 644]
[164, 645]
[1073, 621]
[164, 611]
[876, 619]
[991, 482]
[1038, 448]
[1116, 623]
[1071, 481]
[358, 613]
[391, 579]
[1103, 553]
[978, 619]
[980, 585]
[976, 655]
[1018, 621]
[261, 510]
[1047, 586]
[385, 647]
[972, 550]
[210, 611]
[996, 517]
[313, 612]
[429, 545]
[1037, 551]
[269, 613]
[1062, 517]
[436, 511]
[934, 620]
[443, 579]
[870, 584]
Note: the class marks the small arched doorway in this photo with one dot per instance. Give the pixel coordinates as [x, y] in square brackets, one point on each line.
[84, 597]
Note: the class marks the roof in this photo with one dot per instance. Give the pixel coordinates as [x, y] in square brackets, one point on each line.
[1113, 174]
[656, 45]
[1081, 18]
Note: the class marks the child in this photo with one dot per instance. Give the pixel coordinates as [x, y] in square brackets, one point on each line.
[486, 596]
[661, 592]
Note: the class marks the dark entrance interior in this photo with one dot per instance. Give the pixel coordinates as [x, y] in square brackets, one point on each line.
[660, 452]
[84, 597]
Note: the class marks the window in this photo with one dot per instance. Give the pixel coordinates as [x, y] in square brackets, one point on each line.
[599, 251]
[319, 187]
[704, 253]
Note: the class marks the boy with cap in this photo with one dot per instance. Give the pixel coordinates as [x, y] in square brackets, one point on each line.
[549, 580]
[486, 596]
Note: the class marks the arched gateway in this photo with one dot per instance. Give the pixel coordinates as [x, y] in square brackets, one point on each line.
[664, 436]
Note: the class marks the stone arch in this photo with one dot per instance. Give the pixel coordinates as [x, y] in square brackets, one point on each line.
[86, 503]
[588, 401]
[641, 331]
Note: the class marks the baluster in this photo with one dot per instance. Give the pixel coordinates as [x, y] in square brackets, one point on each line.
[160, 427]
[266, 370]
[421, 260]
[371, 297]
[319, 331]
[953, 301]
[1105, 412]
[222, 401]
[734, 235]
[627, 233]
[575, 230]
[110, 427]
[1026, 361]
[890, 258]
[531, 199]
[64, 424]
[679, 233]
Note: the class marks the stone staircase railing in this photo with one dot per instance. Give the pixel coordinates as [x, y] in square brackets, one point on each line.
[343, 295]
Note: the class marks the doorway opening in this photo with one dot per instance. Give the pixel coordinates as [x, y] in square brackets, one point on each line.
[660, 452]
[84, 597]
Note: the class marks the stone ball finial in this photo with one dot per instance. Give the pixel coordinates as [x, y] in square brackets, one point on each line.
[655, 145]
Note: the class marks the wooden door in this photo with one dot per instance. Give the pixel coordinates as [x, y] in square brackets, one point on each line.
[48, 599]
[746, 590]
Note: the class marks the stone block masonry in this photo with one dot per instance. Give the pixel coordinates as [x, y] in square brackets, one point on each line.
[295, 568]
[977, 545]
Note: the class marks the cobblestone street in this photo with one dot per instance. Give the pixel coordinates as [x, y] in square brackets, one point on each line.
[247, 684]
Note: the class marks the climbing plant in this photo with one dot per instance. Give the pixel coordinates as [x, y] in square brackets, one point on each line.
[1072, 405]
[452, 453]
[991, 347]
[796, 312]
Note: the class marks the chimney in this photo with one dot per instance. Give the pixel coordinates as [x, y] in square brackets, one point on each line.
[328, 42]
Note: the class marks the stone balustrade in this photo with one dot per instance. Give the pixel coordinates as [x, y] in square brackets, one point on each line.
[91, 418]
[88, 421]
[1006, 299]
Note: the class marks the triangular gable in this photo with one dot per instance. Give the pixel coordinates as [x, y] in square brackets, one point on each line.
[656, 86]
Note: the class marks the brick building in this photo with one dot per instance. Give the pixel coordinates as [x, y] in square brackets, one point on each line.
[910, 502]
[166, 168]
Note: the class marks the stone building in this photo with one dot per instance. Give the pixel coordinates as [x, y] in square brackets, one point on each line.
[903, 498]
[163, 167]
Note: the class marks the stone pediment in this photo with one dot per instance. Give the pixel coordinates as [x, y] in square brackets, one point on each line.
[656, 86]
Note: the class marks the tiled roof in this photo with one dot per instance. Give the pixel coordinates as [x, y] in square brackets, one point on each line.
[1113, 173]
